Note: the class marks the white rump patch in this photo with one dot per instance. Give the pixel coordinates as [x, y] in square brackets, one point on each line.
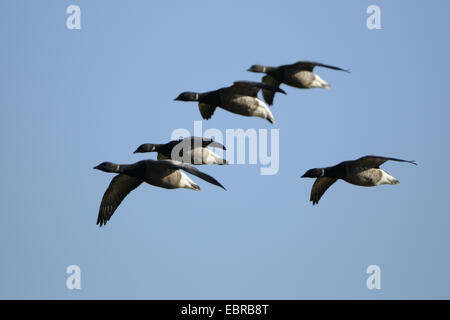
[319, 83]
[263, 111]
[186, 182]
[386, 178]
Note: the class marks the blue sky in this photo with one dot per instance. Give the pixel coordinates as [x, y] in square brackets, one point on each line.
[71, 99]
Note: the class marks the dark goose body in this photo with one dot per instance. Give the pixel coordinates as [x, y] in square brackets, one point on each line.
[298, 75]
[196, 148]
[364, 172]
[164, 174]
[240, 98]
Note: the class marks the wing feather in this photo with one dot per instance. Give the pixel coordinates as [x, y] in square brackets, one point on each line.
[251, 88]
[376, 161]
[319, 187]
[309, 66]
[204, 142]
[206, 110]
[269, 94]
[190, 169]
[120, 186]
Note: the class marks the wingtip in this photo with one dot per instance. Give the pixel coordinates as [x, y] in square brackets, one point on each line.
[220, 185]
[101, 221]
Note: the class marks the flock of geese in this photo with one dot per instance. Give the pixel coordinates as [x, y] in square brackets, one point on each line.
[240, 98]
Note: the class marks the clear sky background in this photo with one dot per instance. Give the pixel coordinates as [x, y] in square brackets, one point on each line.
[71, 99]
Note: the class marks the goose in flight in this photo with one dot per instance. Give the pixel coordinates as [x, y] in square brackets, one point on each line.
[193, 150]
[159, 173]
[240, 98]
[364, 172]
[298, 75]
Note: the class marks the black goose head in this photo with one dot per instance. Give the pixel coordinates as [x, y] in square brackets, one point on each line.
[313, 173]
[146, 147]
[257, 68]
[107, 167]
[187, 96]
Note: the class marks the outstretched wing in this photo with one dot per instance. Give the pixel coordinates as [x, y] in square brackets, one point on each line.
[206, 110]
[215, 144]
[269, 94]
[120, 186]
[319, 187]
[309, 66]
[204, 142]
[376, 161]
[251, 88]
[183, 166]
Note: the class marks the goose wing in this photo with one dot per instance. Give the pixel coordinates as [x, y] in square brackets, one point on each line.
[204, 142]
[376, 161]
[190, 169]
[215, 144]
[206, 110]
[309, 66]
[269, 94]
[251, 88]
[120, 186]
[319, 187]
